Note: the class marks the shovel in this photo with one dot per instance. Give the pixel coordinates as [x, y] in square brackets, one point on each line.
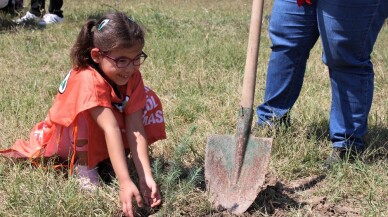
[235, 165]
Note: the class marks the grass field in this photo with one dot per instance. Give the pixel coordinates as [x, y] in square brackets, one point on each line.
[196, 63]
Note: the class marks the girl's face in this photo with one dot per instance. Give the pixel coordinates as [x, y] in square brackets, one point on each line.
[120, 63]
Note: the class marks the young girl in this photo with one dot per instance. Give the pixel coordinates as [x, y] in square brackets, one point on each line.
[102, 109]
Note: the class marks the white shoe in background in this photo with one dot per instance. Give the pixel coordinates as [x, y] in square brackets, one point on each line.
[29, 17]
[50, 19]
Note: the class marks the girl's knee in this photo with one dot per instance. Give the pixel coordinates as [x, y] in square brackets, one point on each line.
[82, 145]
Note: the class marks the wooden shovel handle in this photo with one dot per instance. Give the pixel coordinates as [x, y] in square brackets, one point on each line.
[249, 82]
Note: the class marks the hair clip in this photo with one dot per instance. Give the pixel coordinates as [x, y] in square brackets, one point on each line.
[131, 19]
[102, 24]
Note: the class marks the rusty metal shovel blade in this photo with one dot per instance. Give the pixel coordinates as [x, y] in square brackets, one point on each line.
[233, 182]
[235, 166]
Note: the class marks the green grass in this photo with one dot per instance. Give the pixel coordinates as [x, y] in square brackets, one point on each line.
[196, 63]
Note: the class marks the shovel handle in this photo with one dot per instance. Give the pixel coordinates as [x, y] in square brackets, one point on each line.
[249, 82]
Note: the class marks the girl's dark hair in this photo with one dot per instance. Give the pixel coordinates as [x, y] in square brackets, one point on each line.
[112, 31]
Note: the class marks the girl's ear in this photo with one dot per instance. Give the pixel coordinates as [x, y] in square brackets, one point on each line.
[95, 54]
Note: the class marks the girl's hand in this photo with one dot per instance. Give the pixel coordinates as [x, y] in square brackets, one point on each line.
[128, 191]
[150, 191]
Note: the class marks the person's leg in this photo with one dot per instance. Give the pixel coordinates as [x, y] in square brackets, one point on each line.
[349, 29]
[10, 6]
[66, 147]
[37, 6]
[7, 7]
[55, 14]
[293, 32]
[55, 7]
[88, 176]
[34, 14]
[82, 140]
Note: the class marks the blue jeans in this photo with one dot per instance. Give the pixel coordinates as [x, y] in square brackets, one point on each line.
[348, 30]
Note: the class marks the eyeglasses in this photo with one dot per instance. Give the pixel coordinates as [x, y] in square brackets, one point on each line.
[123, 62]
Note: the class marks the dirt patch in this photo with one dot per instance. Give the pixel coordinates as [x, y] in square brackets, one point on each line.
[279, 198]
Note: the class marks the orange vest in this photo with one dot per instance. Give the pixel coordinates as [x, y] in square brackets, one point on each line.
[80, 91]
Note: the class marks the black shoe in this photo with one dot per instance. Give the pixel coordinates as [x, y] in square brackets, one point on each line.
[341, 154]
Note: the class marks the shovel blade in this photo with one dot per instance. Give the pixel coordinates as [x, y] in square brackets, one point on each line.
[220, 167]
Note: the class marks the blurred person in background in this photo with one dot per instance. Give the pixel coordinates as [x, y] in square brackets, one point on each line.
[11, 6]
[37, 13]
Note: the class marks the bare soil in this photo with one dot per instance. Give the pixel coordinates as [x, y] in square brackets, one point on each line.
[279, 198]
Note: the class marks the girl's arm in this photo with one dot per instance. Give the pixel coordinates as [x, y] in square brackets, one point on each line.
[139, 152]
[108, 123]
